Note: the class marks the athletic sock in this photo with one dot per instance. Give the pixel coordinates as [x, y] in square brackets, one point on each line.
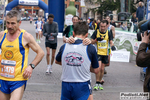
[98, 82]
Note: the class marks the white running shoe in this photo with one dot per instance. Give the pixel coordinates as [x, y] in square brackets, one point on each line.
[39, 41]
[47, 71]
[50, 70]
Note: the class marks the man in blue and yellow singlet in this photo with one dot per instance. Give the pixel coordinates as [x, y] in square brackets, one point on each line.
[103, 38]
[14, 68]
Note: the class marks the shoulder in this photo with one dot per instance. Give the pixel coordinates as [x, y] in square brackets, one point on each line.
[112, 27]
[1, 34]
[55, 23]
[95, 32]
[27, 37]
[68, 26]
[46, 23]
[91, 48]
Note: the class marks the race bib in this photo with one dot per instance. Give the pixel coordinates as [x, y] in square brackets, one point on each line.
[102, 44]
[51, 38]
[8, 68]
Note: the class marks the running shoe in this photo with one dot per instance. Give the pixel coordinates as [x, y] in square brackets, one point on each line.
[101, 87]
[37, 41]
[47, 71]
[96, 87]
[102, 81]
[50, 70]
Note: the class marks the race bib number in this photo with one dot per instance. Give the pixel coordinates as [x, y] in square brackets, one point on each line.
[51, 38]
[102, 44]
[8, 68]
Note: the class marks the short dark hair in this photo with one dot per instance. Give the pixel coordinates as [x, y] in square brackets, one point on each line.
[104, 21]
[50, 16]
[75, 16]
[81, 28]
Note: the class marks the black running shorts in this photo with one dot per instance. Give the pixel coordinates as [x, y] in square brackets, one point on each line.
[53, 46]
[102, 58]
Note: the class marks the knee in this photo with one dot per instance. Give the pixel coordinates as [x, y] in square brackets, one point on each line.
[48, 54]
[102, 69]
[53, 56]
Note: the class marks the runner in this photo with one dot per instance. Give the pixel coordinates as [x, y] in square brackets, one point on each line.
[31, 19]
[38, 30]
[43, 21]
[76, 64]
[50, 31]
[102, 37]
[69, 29]
[14, 69]
[111, 28]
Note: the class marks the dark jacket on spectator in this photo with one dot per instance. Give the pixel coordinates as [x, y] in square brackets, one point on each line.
[143, 60]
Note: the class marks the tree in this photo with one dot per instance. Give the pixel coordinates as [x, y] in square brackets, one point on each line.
[111, 5]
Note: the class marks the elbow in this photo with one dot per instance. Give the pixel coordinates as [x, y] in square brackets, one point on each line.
[42, 53]
[96, 71]
[140, 63]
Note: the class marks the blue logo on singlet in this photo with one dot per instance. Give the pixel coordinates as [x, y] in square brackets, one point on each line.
[9, 46]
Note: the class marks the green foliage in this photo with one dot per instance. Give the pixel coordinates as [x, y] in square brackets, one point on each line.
[133, 8]
[108, 5]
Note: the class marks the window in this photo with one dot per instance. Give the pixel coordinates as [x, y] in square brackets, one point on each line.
[77, 6]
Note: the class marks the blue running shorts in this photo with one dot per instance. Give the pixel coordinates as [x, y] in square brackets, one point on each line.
[75, 90]
[9, 86]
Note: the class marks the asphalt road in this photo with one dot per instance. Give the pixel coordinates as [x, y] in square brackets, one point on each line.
[120, 77]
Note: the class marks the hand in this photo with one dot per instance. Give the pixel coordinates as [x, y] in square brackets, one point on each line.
[145, 38]
[70, 40]
[28, 72]
[86, 41]
[113, 48]
[99, 39]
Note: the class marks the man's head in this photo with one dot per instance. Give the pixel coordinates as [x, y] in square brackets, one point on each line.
[75, 19]
[98, 21]
[140, 4]
[50, 18]
[103, 25]
[39, 18]
[13, 21]
[108, 19]
[81, 28]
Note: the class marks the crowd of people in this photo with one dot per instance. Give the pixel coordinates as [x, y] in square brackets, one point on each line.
[77, 63]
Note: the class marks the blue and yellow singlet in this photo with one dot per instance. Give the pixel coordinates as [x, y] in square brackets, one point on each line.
[14, 58]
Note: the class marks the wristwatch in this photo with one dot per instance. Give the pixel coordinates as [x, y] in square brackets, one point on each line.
[32, 66]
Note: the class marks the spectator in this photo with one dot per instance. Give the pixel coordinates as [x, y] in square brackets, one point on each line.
[123, 26]
[98, 22]
[113, 23]
[134, 20]
[140, 12]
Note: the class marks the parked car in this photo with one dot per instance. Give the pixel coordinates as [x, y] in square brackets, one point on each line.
[35, 18]
[23, 18]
